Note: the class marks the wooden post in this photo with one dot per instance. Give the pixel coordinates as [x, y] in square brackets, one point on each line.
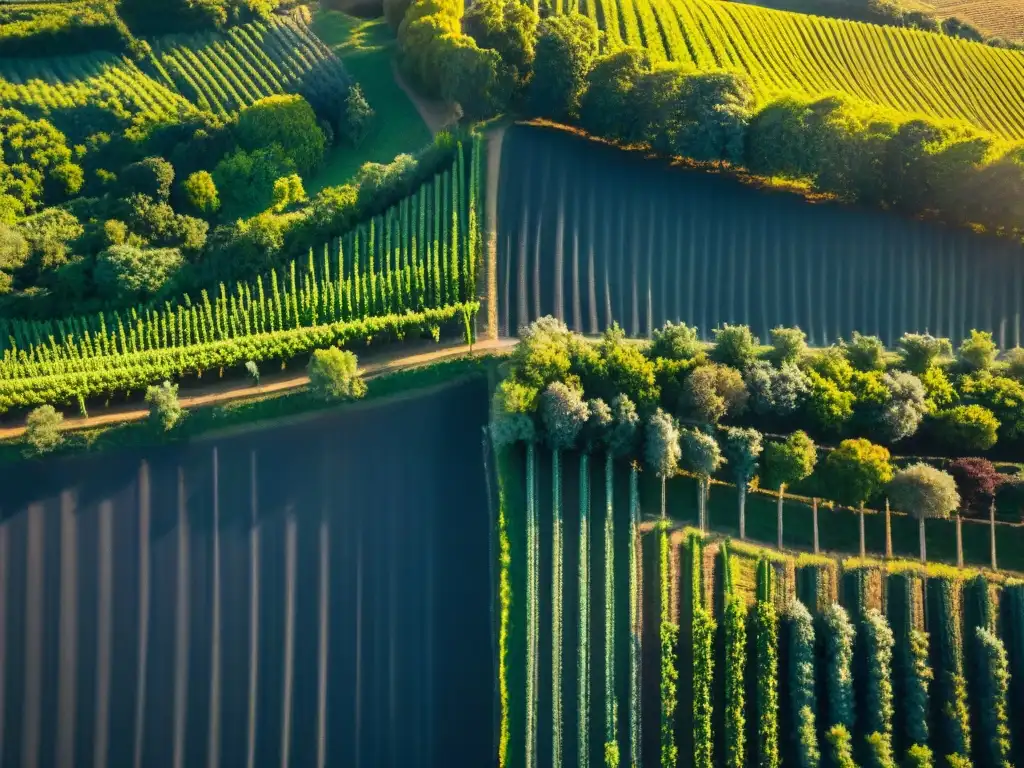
[920, 533]
[861, 517]
[959, 541]
[782, 490]
[743, 511]
[992, 533]
[814, 510]
[888, 530]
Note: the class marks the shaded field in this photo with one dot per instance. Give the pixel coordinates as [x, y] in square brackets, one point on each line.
[593, 234]
[288, 595]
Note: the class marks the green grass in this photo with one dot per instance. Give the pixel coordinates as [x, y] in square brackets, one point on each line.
[366, 47]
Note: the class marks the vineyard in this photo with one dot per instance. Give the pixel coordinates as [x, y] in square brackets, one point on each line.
[222, 73]
[754, 657]
[411, 269]
[215, 72]
[592, 235]
[903, 69]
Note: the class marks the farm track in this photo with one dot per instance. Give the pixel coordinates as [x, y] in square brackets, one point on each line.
[218, 394]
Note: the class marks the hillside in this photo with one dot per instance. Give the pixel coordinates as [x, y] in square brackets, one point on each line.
[997, 17]
[903, 69]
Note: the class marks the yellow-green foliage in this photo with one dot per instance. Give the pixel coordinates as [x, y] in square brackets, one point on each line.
[898, 68]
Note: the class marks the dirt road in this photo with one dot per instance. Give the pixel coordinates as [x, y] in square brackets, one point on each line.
[401, 358]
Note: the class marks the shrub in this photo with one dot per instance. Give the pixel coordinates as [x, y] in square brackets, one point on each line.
[563, 413]
[334, 375]
[626, 369]
[857, 470]
[42, 429]
[905, 405]
[1014, 359]
[828, 406]
[512, 405]
[865, 353]
[878, 751]
[788, 345]
[939, 391]
[979, 351]
[920, 351]
[253, 371]
[1003, 396]
[288, 191]
[1010, 496]
[164, 409]
[840, 747]
[675, 342]
[735, 346]
[359, 116]
[625, 424]
[967, 428]
[976, 481]
[127, 273]
[831, 364]
[201, 193]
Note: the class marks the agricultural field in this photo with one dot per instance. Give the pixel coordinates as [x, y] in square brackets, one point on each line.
[997, 17]
[669, 581]
[592, 235]
[902, 69]
[286, 594]
[411, 269]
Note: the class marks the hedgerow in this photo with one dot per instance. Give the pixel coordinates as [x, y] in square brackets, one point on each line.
[669, 632]
[703, 634]
[838, 635]
[953, 730]
[735, 625]
[800, 672]
[992, 679]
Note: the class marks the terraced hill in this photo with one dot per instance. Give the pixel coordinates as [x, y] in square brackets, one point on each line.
[997, 17]
[903, 69]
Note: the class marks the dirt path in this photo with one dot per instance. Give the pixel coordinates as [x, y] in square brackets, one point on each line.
[221, 393]
[490, 303]
[435, 114]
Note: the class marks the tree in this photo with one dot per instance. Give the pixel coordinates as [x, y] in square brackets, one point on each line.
[359, 116]
[1014, 359]
[715, 108]
[675, 342]
[246, 179]
[742, 448]
[201, 193]
[566, 47]
[788, 345]
[625, 367]
[14, 252]
[288, 191]
[285, 120]
[924, 492]
[787, 463]
[1000, 395]
[978, 352]
[563, 413]
[776, 391]
[334, 375]
[777, 137]
[508, 27]
[905, 405]
[661, 448]
[828, 405]
[714, 391]
[473, 78]
[920, 351]
[855, 472]
[511, 413]
[164, 409]
[607, 108]
[42, 429]
[625, 423]
[966, 427]
[865, 353]
[152, 176]
[735, 346]
[394, 12]
[701, 456]
[977, 481]
[127, 273]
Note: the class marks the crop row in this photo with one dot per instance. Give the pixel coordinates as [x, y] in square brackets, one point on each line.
[904, 69]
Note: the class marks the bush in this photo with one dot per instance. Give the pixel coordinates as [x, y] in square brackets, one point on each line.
[201, 193]
[1014, 359]
[287, 121]
[334, 375]
[164, 409]
[828, 406]
[939, 391]
[563, 412]
[246, 179]
[127, 273]
[288, 191]
[788, 345]
[42, 429]
[966, 428]
[918, 756]
[566, 48]
[920, 351]
[776, 391]
[979, 351]
[675, 342]
[878, 751]
[735, 346]
[840, 747]
[1010, 497]
[1001, 395]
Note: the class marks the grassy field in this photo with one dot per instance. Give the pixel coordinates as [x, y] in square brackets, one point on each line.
[366, 48]
[903, 69]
